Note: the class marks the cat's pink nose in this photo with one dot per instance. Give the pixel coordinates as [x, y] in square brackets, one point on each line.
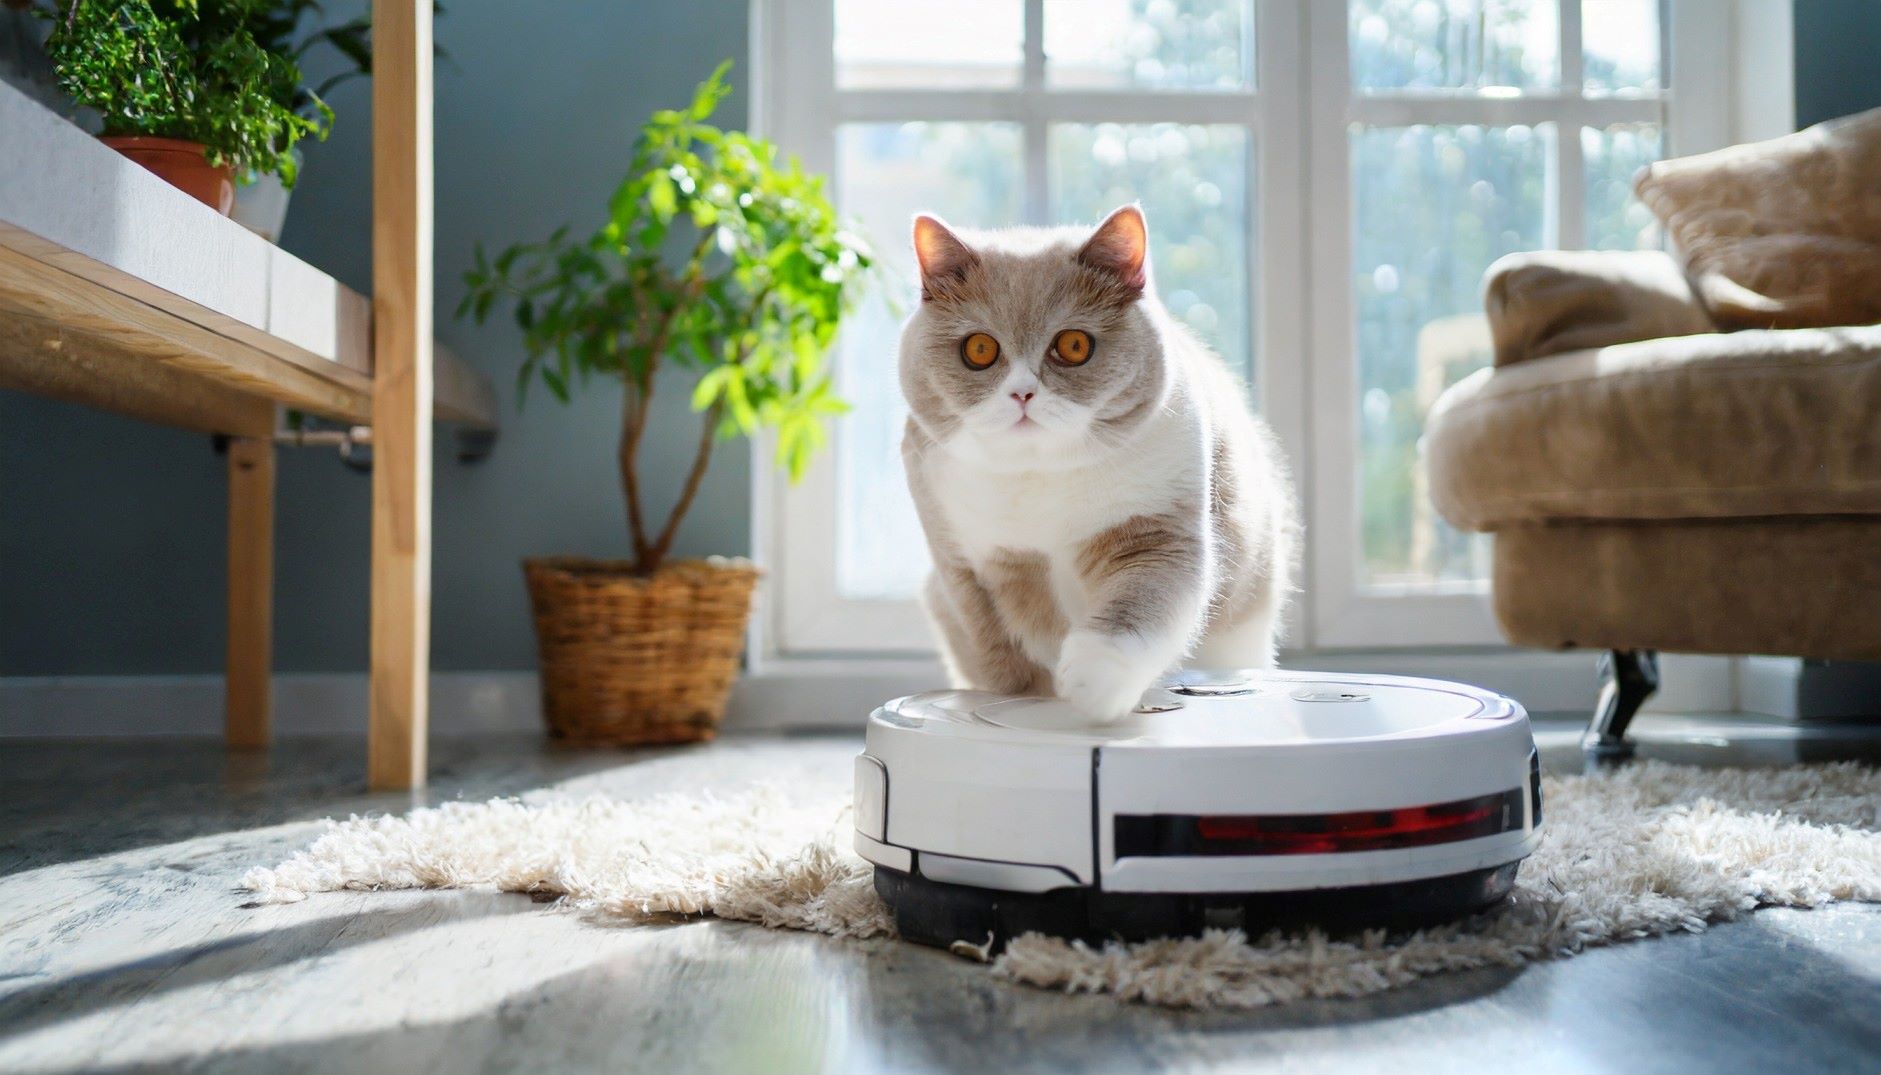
[1023, 397]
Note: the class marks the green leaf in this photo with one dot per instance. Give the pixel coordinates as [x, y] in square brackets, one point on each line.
[706, 98]
[662, 198]
[738, 399]
[710, 387]
[524, 374]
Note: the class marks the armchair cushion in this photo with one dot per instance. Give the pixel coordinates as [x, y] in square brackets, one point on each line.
[1551, 301]
[1714, 426]
[1780, 234]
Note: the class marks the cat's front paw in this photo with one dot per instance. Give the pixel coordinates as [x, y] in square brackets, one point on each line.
[1104, 676]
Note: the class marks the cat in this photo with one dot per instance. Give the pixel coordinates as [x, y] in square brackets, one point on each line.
[1100, 504]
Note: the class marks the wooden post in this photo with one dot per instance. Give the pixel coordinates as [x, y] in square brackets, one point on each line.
[401, 392]
[251, 591]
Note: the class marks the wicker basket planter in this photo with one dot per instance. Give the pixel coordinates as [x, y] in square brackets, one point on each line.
[630, 660]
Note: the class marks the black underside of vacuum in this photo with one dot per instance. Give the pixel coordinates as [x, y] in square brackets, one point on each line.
[939, 913]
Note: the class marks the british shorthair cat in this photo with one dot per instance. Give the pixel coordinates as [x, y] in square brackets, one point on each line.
[1100, 504]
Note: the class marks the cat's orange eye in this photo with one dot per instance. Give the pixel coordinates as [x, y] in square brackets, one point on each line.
[1072, 347]
[979, 350]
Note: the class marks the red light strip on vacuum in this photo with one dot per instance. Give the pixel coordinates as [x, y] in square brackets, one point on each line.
[1319, 834]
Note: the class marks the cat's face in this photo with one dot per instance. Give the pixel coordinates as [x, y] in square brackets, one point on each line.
[1033, 348]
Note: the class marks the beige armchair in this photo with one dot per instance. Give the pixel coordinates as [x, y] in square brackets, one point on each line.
[1685, 454]
[1654, 483]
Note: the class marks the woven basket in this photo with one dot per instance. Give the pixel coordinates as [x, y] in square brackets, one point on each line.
[632, 660]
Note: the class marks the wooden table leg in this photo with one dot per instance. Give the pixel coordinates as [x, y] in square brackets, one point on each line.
[251, 591]
[401, 392]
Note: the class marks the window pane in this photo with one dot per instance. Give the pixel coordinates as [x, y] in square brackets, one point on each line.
[1433, 206]
[1193, 182]
[1620, 46]
[970, 174]
[1615, 219]
[1455, 44]
[932, 43]
[1158, 45]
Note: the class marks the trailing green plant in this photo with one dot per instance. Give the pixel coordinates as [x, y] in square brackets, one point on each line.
[189, 69]
[720, 256]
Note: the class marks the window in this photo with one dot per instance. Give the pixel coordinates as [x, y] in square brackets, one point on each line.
[1463, 130]
[1326, 181]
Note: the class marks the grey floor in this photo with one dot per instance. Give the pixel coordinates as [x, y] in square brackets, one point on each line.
[124, 945]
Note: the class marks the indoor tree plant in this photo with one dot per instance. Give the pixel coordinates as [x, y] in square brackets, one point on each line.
[721, 257]
[184, 88]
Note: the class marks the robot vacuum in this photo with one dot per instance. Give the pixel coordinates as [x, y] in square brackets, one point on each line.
[1252, 800]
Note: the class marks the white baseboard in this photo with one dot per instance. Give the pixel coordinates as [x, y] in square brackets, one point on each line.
[1691, 683]
[794, 694]
[462, 703]
[1769, 685]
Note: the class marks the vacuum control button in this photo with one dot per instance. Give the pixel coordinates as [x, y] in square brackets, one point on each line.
[1329, 694]
[1212, 690]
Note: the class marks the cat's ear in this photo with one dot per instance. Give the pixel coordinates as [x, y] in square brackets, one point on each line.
[1120, 247]
[943, 258]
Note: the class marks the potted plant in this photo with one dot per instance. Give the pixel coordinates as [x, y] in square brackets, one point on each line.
[184, 88]
[721, 258]
[261, 197]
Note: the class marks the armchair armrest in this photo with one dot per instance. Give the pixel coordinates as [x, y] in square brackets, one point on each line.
[1552, 301]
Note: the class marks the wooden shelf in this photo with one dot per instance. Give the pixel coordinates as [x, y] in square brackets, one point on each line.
[119, 291]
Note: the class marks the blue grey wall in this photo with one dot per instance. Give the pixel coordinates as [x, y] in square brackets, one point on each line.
[1838, 58]
[111, 531]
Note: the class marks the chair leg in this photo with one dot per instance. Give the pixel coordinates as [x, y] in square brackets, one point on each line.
[1632, 675]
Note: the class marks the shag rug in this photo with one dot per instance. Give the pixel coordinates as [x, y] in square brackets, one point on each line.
[1647, 849]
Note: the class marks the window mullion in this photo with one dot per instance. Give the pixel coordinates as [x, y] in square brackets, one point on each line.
[1572, 73]
[1570, 173]
[1406, 110]
[1036, 208]
[1037, 202]
[1064, 106]
[1034, 45]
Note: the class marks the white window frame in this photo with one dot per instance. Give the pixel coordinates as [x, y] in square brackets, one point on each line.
[1297, 117]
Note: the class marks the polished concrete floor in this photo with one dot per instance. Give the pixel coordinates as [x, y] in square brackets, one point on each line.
[124, 945]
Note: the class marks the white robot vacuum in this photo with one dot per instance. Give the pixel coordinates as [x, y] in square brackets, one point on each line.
[1252, 799]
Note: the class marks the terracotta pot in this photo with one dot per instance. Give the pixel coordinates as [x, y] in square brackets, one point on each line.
[183, 165]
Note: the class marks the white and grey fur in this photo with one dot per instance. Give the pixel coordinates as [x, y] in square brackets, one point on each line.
[1137, 518]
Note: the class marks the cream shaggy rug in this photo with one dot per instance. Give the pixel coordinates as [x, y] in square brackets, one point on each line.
[1649, 849]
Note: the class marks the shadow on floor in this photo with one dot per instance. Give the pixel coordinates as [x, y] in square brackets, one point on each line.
[66, 999]
[1759, 1002]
